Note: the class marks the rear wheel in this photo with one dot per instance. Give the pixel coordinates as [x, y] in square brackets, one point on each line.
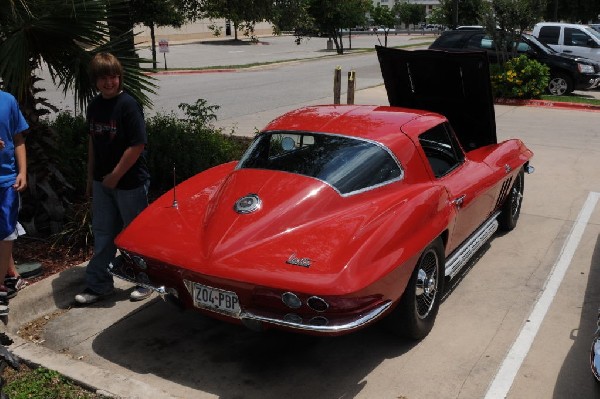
[560, 84]
[415, 314]
[511, 210]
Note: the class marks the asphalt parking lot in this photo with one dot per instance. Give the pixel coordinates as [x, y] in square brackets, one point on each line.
[517, 324]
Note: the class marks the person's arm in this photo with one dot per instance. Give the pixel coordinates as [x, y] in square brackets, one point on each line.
[21, 158]
[129, 158]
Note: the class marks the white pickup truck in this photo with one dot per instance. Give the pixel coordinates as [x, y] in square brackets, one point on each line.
[574, 39]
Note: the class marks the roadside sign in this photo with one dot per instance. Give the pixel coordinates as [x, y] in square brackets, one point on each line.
[163, 46]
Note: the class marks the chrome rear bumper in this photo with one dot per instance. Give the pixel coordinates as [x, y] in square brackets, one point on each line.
[255, 321]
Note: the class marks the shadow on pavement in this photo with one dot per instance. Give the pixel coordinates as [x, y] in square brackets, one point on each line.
[575, 378]
[231, 361]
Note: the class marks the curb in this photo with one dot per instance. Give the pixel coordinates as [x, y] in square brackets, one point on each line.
[93, 378]
[190, 71]
[547, 104]
[46, 296]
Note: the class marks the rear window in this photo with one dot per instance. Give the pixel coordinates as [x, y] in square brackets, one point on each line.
[450, 39]
[441, 149]
[549, 34]
[345, 163]
[478, 42]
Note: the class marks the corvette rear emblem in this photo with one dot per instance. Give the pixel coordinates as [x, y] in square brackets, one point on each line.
[293, 260]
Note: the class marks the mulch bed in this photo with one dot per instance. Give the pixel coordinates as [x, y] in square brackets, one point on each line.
[54, 258]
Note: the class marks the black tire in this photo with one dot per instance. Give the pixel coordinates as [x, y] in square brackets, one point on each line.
[560, 84]
[511, 209]
[415, 314]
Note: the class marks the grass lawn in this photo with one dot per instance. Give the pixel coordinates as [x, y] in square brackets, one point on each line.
[574, 98]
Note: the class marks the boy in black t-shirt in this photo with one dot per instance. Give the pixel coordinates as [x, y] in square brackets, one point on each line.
[118, 176]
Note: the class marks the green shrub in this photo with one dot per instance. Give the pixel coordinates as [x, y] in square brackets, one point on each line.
[520, 77]
[72, 136]
[191, 145]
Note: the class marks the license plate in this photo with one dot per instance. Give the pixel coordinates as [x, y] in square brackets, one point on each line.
[216, 299]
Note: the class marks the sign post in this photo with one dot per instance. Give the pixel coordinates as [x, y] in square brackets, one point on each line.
[163, 47]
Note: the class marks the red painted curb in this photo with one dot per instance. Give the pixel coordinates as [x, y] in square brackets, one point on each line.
[547, 104]
[190, 71]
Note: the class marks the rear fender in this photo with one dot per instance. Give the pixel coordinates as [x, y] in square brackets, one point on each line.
[392, 243]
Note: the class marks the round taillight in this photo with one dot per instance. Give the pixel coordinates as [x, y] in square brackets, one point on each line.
[291, 300]
[317, 304]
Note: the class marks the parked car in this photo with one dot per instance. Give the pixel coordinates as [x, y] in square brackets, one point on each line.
[383, 29]
[575, 39]
[338, 216]
[469, 27]
[595, 27]
[567, 73]
[595, 351]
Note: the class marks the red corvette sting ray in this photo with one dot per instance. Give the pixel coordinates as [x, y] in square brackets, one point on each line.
[338, 216]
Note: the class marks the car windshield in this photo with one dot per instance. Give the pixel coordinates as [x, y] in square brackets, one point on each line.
[592, 31]
[348, 164]
[542, 46]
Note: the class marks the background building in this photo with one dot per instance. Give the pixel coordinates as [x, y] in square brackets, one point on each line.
[429, 4]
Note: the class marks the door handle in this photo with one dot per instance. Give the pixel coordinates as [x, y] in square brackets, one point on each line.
[459, 201]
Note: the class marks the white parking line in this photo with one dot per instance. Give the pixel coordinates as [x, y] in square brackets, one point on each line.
[510, 366]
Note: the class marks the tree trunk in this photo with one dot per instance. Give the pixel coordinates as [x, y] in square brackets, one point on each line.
[153, 38]
[339, 43]
[350, 39]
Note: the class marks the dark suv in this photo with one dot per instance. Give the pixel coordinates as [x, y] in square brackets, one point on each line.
[567, 73]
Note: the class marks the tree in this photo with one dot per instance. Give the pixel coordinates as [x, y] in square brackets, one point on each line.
[291, 15]
[243, 14]
[60, 36]
[469, 12]
[331, 16]
[580, 11]
[158, 13]
[505, 20]
[385, 17]
[410, 13]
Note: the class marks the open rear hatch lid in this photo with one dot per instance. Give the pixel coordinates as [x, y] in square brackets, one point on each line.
[454, 84]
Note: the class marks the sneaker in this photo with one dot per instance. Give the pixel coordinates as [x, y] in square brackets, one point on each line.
[3, 293]
[89, 296]
[18, 283]
[3, 309]
[10, 293]
[140, 293]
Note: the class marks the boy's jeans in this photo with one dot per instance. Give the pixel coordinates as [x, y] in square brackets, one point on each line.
[112, 210]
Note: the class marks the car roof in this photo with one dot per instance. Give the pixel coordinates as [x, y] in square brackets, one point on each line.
[469, 27]
[568, 25]
[381, 124]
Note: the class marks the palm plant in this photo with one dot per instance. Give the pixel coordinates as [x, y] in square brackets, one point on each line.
[61, 37]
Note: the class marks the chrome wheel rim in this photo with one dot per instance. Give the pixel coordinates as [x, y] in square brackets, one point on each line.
[427, 284]
[517, 196]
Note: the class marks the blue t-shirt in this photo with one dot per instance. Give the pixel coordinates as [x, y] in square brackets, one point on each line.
[12, 123]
